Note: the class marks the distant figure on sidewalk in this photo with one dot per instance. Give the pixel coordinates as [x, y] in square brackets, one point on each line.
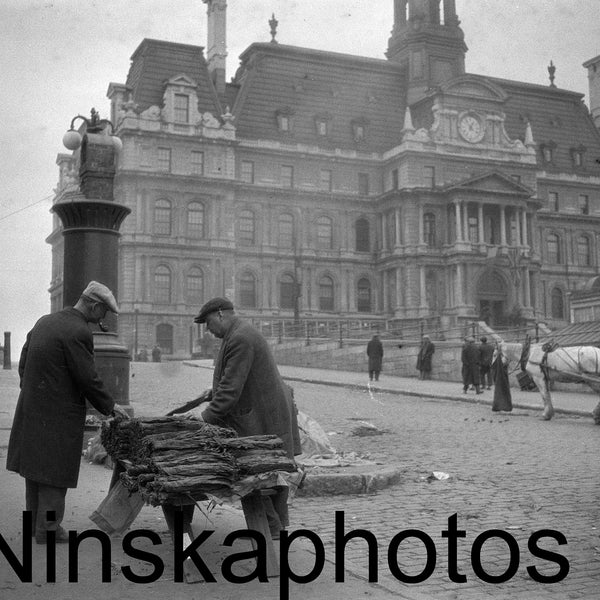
[375, 354]
[486, 352]
[424, 358]
[156, 353]
[502, 396]
[470, 365]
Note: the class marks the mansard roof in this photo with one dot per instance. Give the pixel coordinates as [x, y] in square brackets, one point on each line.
[155, 62]
[310, 85]
[558, 118]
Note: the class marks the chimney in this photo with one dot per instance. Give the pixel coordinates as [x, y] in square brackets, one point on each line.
[593, 68]
[216, 44]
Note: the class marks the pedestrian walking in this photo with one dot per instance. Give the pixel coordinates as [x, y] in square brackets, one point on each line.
[57, 375]
[424, 358]
[248, 393]
[375, 354]
[486, 352]
[470, 365]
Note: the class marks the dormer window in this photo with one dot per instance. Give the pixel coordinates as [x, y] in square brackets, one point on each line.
[323, 125]
[182, 108]
[285, 119]
[577, 156]
[547, 150]
[359, 129]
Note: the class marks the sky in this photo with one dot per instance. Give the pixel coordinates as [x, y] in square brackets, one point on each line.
[58, 57]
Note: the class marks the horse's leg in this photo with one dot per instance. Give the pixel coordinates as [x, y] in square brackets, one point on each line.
[544, 389]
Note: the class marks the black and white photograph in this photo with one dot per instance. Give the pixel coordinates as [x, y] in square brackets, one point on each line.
[300, 299]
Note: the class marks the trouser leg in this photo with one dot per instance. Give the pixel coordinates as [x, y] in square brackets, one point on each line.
[50, 499]
[276, 509]
[31, 501]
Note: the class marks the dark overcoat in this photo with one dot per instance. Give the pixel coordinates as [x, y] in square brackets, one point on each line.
[57, 375]
[425, 356]
[248, 393]
[470, 357]
[375, 354]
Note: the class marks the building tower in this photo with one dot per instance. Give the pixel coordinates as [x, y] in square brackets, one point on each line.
[593, 68]
[428, 41]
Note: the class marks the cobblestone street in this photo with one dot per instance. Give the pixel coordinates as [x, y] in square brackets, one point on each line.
[512, 472]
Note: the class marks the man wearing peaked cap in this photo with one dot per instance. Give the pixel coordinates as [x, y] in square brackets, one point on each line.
[248, 393]
[98, 292]
[58, 375]
[214, 305]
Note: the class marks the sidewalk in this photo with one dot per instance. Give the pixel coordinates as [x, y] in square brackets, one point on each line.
[570, 403]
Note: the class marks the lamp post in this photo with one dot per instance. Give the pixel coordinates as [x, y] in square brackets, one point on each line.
[91, 220]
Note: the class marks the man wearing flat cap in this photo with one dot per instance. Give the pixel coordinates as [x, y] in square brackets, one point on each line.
[248, 393]
[58, 375]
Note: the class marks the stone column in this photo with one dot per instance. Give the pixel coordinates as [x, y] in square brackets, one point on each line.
[524, 228]
[502, 226]
[398, 227]
[385, 283]
[421, 231]
[384, 232]
[465, 222]
[458, 221]
[399, 287]
[423, 287]
[459, 285]
[527, 288]
[480, 223]
[518, 220]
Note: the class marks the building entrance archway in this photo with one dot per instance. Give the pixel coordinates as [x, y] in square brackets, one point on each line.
[492, 297]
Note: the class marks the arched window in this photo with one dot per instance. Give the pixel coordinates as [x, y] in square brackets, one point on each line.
[164, 337]
[584, 252]
[429, 235]
[286, 291]
[162, 217]
[553, 249]
[557, 303]
[286, 231]
[195, 286]
[195, 220]
[162, 285]
[363, 299]
[324, 233]
[326, 293]
[363, 243]
[247, 290]
[247, 228]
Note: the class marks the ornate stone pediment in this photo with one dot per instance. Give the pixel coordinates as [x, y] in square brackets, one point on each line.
[493, 182]
[472, 87]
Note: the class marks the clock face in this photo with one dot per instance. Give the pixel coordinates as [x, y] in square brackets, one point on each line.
[470, 128]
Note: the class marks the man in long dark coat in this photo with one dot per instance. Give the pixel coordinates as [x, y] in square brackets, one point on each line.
[425, 358]
[375, 354]
[486, 352]
[470, 357]
[57, 375]
[248, 393]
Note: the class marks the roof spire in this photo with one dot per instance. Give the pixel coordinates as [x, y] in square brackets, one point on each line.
[408, 124]
[529, 141]
[273, 23]
[551, 71]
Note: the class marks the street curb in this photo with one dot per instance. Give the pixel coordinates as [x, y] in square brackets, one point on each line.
[332, 484]
[467, 399]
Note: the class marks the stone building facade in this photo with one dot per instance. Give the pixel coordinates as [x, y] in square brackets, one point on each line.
[316, 188]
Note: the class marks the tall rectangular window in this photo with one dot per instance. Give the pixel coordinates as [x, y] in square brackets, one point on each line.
[197, 163]
[395, 180]
[363, 184]
[182, 108]
[247, 171]
[429, 177]
[473, 225]
[287, 176]
[325, 181]
[553, 201]
[584, 204]
[146, 156]
[164, 159]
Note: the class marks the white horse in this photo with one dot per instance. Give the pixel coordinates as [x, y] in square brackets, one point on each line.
[572, 364]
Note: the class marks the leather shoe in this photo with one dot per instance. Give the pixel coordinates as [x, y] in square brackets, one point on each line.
[61, 537]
